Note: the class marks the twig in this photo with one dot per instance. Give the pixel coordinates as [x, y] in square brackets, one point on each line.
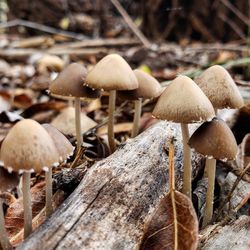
[41, 27]
[241, 16]
[131, 24]
[233, 25]
[229, 196]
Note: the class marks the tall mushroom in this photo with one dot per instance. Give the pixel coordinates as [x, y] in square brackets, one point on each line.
[215, 140]
[69, 85]
[148, 88]
[112, 73]
[8, 181]
[184, 102]
[28, 148]
[65, 150]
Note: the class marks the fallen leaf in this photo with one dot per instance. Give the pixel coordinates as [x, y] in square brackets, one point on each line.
[173, 224]
[118, 128]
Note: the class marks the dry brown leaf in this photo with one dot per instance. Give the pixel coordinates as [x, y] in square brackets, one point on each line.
[118, 128]
[41, 107]
[14, 215]
[173, 224]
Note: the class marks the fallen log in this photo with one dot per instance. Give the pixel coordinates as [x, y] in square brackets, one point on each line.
[109, 207]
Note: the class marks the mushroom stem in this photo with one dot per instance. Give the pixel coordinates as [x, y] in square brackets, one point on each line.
[187, 167]
[137, 116]
[4, 241]
[111, 136]
[78, 122]
[208, 213]
[48, 178]
[27, 207]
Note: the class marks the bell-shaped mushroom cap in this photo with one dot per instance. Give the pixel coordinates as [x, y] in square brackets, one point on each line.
[183, 102]
[112, 73]
[28, 147]
[63, 146]
[70, 82]
[8, 180]
[148, 88]
[214, 139]
[219, 87]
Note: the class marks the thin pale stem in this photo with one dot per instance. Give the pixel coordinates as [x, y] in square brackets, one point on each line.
[4, 240]
[208, 213]
[48, 178]
[187, 166]
[27, 207]
[137, 116]
[111, 136]
[78, 122]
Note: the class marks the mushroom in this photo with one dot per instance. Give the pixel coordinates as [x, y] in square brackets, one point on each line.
[184, 102]
[216, 141]
[69, 84]
[28, 148]
[112, 73]
[8, 182]
[65, 150]
[148, 88]
[220, 88]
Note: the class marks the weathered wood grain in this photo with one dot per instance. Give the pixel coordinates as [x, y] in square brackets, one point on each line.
[109, 207]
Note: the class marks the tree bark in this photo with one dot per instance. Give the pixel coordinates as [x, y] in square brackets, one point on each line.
[109, 208]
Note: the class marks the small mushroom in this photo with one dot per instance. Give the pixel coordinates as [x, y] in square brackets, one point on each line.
[216, 141]
[184, 102]
[112, 73]
[148, 88]
[69, 84]
[220, 88]
[65, 149]
[28, 148]
[8, 182]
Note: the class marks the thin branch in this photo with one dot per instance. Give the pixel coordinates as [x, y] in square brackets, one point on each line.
[131, 24]
[41, 27]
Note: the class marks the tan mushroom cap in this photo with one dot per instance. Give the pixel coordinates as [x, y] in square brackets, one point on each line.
[8, 180]
[112, 73]
[220, 88]
[183, 102]
[214, 139]
[70, 82]
[148, 88]
[28, 147]
[63, 146]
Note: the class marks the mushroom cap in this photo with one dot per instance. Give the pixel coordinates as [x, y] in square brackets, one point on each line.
[183, 102]
[70, 82]
[220, 88]
[214, 139]
[63, 146]
[112, 73]
[8, 180]
[148, 87]
[28, 147]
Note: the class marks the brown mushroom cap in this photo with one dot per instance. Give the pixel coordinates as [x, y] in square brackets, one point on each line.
[28, 147]
[63, 146]
[8, 181]
[214, 139]
[148, 88]
[70, 82]
[112, 73]
[183, 102]
[220, 88]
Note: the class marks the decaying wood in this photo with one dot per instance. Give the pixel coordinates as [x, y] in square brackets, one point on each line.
[234, 236]
[109, 207]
